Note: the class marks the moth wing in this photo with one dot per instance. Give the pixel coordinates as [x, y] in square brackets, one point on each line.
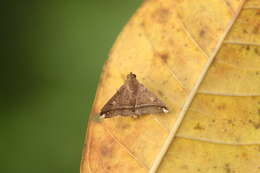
[147, 102]
[121, 103]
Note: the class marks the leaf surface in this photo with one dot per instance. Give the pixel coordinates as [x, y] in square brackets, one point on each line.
[202, 58]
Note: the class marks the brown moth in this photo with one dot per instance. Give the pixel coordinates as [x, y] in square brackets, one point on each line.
[132, 99]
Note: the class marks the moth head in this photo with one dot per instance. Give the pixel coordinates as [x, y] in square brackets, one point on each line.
[131, 76]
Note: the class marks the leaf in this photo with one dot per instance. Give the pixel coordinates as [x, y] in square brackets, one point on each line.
[202, 58]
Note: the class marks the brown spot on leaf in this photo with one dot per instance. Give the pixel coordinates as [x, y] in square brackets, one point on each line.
[257, 51]
[106, 150]
[160, 93]
[161, 15]
[202, 33]
[164, 56]
[227, 168]
[221, 107]
[256, 125]
[256, 29]
[198, 127]
[245, 31]
[244, 155]
[247, 48]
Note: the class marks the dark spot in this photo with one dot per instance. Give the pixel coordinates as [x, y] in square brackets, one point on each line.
[257, 13]
[160, 93]
[221, 107]
[257, 73]
[198, 169]
[256, 125]
[215, 167]
[247, 48]
[213, 121]
[256, 51]
[161, 15]
[230, 122]
[202, 33]
[227, 168]
[164, 57]
[198, 127]
[256, 29]
[106, 151]
[244, 155]
[108, 167]
[245, 31]
[165, 82]
[258, 112]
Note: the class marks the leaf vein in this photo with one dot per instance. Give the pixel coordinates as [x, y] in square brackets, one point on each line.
[141, 163]
[188, 33]
[216, 141]
[241, 43]
[228, 94]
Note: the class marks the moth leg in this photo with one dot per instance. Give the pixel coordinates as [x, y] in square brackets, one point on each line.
[135, 116]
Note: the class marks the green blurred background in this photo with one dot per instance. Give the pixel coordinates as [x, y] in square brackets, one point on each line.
[52, 54]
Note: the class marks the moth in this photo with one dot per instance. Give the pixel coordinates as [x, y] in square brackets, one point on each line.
[132, 99]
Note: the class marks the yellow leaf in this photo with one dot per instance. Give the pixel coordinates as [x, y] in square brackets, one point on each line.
[201, 58]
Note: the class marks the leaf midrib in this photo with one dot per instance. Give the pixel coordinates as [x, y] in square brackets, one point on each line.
[182, 114]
